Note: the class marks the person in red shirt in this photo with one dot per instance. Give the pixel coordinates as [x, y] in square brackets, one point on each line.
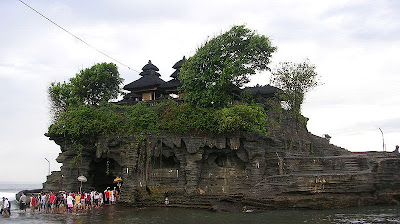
[107, 194]
[52, 202]
[87, 201]
[33, 203]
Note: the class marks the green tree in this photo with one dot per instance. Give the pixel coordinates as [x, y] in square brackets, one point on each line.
[222, 65]
[61, 97]
[295, 79]
[89, 86]
[98, 83]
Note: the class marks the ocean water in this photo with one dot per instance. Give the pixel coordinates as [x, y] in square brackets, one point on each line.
[120, 214]
[9, 190]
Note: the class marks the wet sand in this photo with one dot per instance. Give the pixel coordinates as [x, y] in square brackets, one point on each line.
[118, 214]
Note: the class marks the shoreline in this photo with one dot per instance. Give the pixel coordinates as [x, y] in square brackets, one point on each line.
[121, 215]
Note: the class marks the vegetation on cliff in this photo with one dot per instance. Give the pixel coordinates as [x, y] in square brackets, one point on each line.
[211, 78]
[107, 118]
[295, 79]
[99, 83]
[80, 106]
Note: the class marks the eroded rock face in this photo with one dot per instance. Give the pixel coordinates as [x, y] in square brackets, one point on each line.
[278, 171]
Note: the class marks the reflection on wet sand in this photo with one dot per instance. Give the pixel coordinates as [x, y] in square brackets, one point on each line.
[120, 215]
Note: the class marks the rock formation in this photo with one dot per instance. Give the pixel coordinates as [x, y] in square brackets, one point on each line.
[288, 168]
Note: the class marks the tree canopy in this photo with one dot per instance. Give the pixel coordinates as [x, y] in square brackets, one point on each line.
[90, 86]
[295, 79]
[223, 64]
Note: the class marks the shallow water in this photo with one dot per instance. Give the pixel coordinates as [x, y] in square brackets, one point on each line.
[120, 214]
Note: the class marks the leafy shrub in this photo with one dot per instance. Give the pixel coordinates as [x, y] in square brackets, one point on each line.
[241, 117]
[88, 120]
[169, 116]
[184, 118]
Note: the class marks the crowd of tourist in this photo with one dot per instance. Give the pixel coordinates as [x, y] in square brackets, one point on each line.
[68, 202]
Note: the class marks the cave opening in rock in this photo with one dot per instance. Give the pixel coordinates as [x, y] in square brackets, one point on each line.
[229, 161]
[166, 162]
[103, 172]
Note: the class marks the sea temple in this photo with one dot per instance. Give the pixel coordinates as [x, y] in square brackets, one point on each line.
[287, 168]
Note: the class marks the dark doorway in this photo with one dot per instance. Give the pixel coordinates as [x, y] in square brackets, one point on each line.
[166, 162]
[103, 175]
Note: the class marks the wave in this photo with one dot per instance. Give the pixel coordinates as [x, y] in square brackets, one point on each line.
[9, 195]
[9, 190]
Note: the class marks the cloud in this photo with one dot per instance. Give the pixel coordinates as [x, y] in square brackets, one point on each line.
[353, 43]
[368, 20]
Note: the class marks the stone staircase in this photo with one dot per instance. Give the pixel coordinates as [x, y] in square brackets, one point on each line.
[352, 165]
[318, 165]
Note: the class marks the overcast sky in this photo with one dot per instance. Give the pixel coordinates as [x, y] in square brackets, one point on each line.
[354, 44]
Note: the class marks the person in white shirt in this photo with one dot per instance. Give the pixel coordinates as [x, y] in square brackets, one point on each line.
[112, 196]
[101, 199]
[70, 203]
[43, 201]
[6, 206]
[22, 202]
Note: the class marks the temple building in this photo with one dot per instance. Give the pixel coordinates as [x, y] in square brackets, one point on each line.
[172, 87]
[147, 87]
[150, 87]
[259, 92]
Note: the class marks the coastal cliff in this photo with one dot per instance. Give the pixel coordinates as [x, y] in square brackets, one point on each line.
[287, 168]
[208, 140]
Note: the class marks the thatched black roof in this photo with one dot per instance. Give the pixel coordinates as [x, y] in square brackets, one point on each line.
[149, 72]
[175, 74]
[177, 66]
[150, 79]
[150, 69]
[132, 95]
[146, 81]
[266, 90]
[171, 84]
[150, 66]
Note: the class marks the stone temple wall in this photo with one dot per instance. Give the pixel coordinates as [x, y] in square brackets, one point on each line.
[295, 170]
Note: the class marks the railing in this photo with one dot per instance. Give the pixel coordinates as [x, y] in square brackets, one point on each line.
[149, 103]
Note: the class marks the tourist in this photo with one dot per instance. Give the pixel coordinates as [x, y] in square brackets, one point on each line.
[101, 199]
[70, 202]
[97, 199]
[107, 195]
[42, 200]
[166, 198]
[59, 198]
[92, 193]
[87, 201]
[47, 203]
[116, 194]
[5, 207]
[9, 206]
[33, 203]
[52, 201]
[22, 202]
[112, 197]
[2, 205]
[77, 201]
[83, 195]
[397, 149]
[61, 202]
